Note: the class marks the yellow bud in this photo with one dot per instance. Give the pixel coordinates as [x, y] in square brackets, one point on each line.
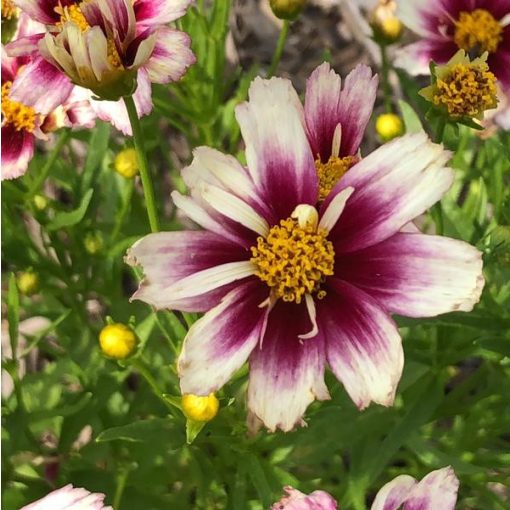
[40, 202]
[389, 126]
[385, 24]
[126, 163]
[200, 408]
[28, 283]
[287, 9]
[93, 242]
[117, 341]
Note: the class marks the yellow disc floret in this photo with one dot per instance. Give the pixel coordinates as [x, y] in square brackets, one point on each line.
[199, 408]
[330, 173]
[467, 91]
[72, 13]
[21, 116]
[9, 10]
[478, 31]
[294, 259]
[117, 341]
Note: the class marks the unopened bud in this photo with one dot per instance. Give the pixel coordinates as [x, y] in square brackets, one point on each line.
[200, 408]
[386, 26]
[28, 282]
[389, 126]
[40, 202]
[93, 242]
[126, 163]
[287, 9]
[117, 340]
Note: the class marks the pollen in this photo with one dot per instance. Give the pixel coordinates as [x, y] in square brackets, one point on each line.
[113, 54]
[294, 259]
[21, 116]
[72, 13]
[478, 31]
[466, 91]
[330, 173]
[9, 10]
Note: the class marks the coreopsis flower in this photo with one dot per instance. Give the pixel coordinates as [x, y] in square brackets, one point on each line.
[445, 26]
[438, 490]
[69, 498]
[110, 47]
[295, 281]
[22, 124]
[462, 88]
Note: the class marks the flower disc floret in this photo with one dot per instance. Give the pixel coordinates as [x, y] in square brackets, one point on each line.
[9, 10]
[72, 13]
[329, 173]
[478, 30]
[294, 260]
[21, 116]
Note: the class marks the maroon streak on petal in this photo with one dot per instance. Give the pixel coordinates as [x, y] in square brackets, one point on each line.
[159, 12]
[416, 275]
[219, 343]
[363, 346]
[42, 10]
[286, 373]
[394, 493]
[168, 257]
[17, 151]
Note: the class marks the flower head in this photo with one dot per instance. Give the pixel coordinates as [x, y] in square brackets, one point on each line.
[117, 341]
[69, 498]
[294, 280]
[446, 26]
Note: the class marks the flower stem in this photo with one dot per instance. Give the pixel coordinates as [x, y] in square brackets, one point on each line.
[437, 210]
[282, 38]
[142, 161]
[385, 71]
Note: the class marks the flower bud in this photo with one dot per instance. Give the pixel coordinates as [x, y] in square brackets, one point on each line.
[200, 408]
[40, 202]
[287, 9]
[386, 26]
[28, 282]
[117, 341]
[93, 242]
[126, 163]
[389, 126]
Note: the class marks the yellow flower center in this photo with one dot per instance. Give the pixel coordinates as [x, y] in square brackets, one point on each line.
[478, 31]
[467, 90]
[9, 10]
[23, 117]
[72, 13]
[294, 259]
[329, 173]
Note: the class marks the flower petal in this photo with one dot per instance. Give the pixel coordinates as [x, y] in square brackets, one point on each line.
[170, 257]
[363, 346]
[171, 56]
[393, 185]
[42, 86]
[218, 344]
[394, 493]
[296, 500]
[17, 151]
[417, 275]
[160, 12]
[40, 10]
[279, 158]
[286, 373]
[415, 58]
[335, 208]
[326, 106]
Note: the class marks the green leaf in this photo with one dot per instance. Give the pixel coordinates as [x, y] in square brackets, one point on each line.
[143, 431]
[13, 313]
[193, 428]
[70, 218]
[259, 480]
[98, 145]
[411, 119]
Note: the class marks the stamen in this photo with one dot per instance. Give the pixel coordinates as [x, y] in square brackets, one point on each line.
[478, 31]
[9, 10]
[23, 117]
[330, 173]
[72, 13]
[294, 260]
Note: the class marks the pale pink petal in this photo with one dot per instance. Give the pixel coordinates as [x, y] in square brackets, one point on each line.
[363, 346]
[24, 46]
[393, 185]
[159, 12]
[17, 151]
[417, 275]
[415, 58]
[78, 109]
[169, 257]
[296, 500]
[219, 343]
[171, 56]
[10, 66]
[42, 86]
[286, 373]
[277, 151]
[394, 493]
[69, 498]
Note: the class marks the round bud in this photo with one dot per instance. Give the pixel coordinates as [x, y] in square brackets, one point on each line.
[28, 282]
[40, 202]
[126, 163]
[200, 408]
[93, 242]
[386, 26]
[389, 126]
[117, 341]
[287, 9]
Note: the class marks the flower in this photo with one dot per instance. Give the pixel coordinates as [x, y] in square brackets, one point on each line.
[389, 126]
[200, 408]
[117, 341]
[462, 88]
[69, 498]
[437, 490]
[110, 47]
[445, 26]
[295, 282]
[126, 163]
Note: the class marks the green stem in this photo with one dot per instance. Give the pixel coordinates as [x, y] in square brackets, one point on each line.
[142, 161]
[39, 180]
[284, 32]
[385, 71]
[119, 489]
[441, 125]
[122, 213]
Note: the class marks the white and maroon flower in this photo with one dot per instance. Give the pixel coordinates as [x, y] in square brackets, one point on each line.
[445, 26]
[438, 490]
[69, 498]
[293, 283]
[106, 46]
